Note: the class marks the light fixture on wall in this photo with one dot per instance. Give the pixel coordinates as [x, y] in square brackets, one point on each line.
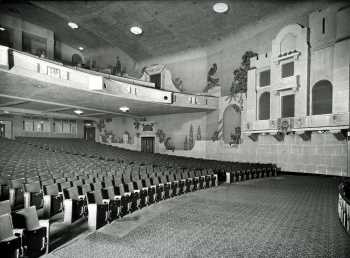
[2, 29]
[136, 30]
[78, 112]
[124, 109]
[81, 48]
[73, 25]
[220, 7]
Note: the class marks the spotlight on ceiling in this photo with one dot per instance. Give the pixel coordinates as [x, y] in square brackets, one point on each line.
[73, 25]
[136, 30]
[78, 112]
[2, 29]
[124, 109]
[81, 48]
[220, 7]
[6, 112]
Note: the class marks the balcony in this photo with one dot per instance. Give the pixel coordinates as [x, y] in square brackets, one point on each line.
[327, 122]
[102, 91]
[195, 101]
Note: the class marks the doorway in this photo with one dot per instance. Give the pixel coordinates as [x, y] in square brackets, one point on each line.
[147, 144]
[89, 133]
[2, 130]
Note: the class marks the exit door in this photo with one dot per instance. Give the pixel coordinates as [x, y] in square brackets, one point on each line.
[147, 144]
[89, 133]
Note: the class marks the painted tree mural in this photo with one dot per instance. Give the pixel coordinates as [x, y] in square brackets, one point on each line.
[190, 138]
[239, 83]
[199, 134]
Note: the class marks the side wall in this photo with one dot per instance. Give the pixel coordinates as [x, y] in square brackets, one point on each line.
[14, 128]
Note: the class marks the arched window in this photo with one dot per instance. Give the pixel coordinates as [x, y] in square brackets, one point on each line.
[76, 59]
[322, 96]
[264, 106]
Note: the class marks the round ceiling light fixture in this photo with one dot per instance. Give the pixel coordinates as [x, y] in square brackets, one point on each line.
[73, 25]
[81, 48]
[124, 109]
[78, 112]
[136, 30]
[2, 29]
[220, 7]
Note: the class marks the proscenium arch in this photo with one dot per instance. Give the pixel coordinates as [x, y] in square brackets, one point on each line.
[231, 121]
[322, 97]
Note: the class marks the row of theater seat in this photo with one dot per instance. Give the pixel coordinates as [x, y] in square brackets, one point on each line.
[22, 234]
[344, 205]
[248, 172]
[100, 182]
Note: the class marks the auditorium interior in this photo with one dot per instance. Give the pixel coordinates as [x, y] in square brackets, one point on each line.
[174, 128]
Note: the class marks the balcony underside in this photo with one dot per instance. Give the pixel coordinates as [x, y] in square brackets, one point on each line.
[23, 89]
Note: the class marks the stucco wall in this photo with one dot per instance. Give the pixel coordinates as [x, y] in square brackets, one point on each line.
[177, 126]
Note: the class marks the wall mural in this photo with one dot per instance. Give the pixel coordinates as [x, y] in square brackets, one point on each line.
[212, 81]
[137, 122]
[169, 144]
[186, 143]
[161, 135]
[178, 84]
[199, 134]
[239, 84]
[190, 138]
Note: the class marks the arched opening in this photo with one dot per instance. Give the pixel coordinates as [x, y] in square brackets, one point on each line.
[264, 106]
[232, 124]
[76, 59]
[322, 95]
[288, 43]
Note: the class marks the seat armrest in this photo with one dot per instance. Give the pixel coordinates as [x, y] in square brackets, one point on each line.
[161, 185]
[168, 183]
[127, 193]
[82, 197]
[18, 231]
[26, 199]
[136, 191]
[145, 188]
[106, 201]
[176, 181]
[153, 186]
[117, 197]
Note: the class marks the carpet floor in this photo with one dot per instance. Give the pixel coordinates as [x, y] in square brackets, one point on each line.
[285, 216]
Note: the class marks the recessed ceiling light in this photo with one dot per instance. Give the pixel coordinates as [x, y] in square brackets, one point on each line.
[78, 112]
[73, 25]
[6, 112]
[2, 29]
[81, 48]
[124, 109]
[220, 7]
[136, 30]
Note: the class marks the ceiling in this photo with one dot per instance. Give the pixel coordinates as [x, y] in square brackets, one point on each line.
[169, 26]
[22, 95]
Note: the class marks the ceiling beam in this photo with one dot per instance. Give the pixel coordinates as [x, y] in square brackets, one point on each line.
[67, 105]
[13, 103]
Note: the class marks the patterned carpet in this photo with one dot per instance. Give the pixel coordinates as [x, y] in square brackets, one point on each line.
[287, 216]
